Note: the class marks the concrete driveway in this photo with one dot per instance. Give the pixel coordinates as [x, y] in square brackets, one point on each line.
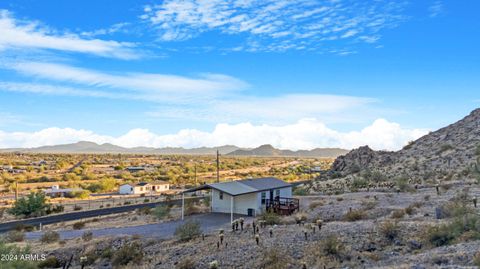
[209, 222]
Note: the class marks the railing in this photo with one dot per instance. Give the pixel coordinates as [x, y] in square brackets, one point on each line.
[283, 205]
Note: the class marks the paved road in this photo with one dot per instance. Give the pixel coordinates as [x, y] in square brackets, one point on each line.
[5, 227]
[209, 222]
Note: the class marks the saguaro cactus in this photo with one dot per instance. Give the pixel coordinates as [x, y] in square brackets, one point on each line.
[271, 232]
[319, 224]
[257, 239]
[475, 202]
[241, 223]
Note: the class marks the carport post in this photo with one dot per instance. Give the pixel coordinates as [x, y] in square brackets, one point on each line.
[183, 205]
[231, 208]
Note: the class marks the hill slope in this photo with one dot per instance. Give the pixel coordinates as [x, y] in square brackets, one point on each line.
[451, 152]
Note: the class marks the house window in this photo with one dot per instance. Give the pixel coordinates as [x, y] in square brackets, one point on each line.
[220, 196]
[264, 195]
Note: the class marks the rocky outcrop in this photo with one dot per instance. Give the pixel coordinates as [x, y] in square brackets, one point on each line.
[452, 152]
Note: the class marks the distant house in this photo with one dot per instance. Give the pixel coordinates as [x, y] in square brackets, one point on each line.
[144, 188]
[133, 169]
[56, 191]
[251, 196]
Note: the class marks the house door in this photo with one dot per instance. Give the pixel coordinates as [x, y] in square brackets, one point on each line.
[271, 195]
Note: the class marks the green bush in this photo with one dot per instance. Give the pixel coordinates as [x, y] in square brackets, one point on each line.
[161, 211]
[50, 237]
[188, 231]
[34, 205]
[128, 254]
[270, 218]
[359, 183]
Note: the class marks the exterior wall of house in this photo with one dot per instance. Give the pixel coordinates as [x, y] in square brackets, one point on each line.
[141, 189]
[161, 187]
[125, 189]
[243, 202]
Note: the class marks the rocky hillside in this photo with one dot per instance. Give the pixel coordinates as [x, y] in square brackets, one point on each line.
[452, 152]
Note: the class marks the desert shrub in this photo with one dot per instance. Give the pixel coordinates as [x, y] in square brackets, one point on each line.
[50, 262]
[188, 230]
[402, 184]
[55, 209]
[187, 263]
[270, 218]
[18, 251]
[82, 194]
[444, 148]
[78, 225]
[77, 207]
[389, 230]
[315, 204]
[128, 254]
[460, 229]
[24, 227]
[161, 211]
[144, 211]
[274, 258]
[359, 183]
[299, 217]
[455, 209]
[2, 212]
[398, 214]
[50, 237]
[34, 205]
[15, 236]
[107, 253]
[476, 260]
[331, 246]
[87, 236]
[368, 205]
[354, 215]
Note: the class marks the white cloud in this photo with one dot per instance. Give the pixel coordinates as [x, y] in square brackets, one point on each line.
[156, 87]
[303, 134]
[285, 107]
[436, 9]
[16, 34]
[275, 25]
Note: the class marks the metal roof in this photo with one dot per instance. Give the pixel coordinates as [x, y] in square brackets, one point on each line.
[244, 186]
[266, 183]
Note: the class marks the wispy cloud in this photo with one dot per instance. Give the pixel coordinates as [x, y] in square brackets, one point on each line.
[436, 9]
[152, 86]
[21, 34]
[303, 134]
[276, 25]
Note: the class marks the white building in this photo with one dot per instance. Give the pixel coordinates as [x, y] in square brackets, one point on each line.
[144, 188]
[56, 191]
[251, 196]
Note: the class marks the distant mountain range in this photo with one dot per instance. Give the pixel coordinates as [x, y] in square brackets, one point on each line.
[269, 150]
[264, 151]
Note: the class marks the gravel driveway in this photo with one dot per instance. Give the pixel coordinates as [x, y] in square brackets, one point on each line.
[209, 222]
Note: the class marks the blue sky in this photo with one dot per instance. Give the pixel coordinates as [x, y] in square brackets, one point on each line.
[295, 74]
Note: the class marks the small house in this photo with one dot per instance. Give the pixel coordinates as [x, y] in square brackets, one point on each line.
[144, 188]
[251, 196]
[56, 191]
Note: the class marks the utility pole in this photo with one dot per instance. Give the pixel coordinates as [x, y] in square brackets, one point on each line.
[195, 172]
[16, 190]
[218, 167]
